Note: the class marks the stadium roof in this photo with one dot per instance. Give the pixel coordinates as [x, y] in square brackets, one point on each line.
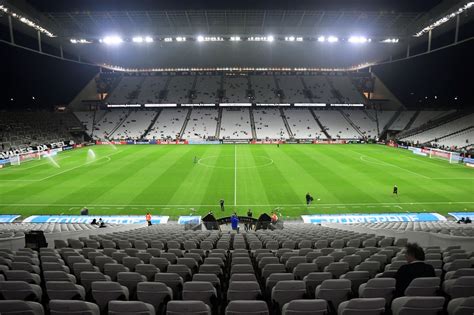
[93, 20]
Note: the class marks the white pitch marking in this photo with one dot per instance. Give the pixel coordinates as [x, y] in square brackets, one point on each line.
[379, 162]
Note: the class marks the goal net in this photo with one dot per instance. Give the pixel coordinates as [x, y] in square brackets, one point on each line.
[452, 157]
[15, 160]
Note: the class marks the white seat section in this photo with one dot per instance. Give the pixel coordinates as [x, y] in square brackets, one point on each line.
[347, 91]
[235, 123]
[150, 89]
[302, 124]
[169, 123]
[337, 126]
[87, 119]
[320, 89]
[292, 88]
[366, 124]
[458, 140]
[427, 115]
[105, 127]
[402, 120]
[202, 124]
[206, 89]
[135, 125]
[126, 91]
[235, 88]
[264, 88]
[432, 134]
[269, 123]
[178, 89]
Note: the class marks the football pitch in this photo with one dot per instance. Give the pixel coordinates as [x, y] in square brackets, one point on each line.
[179, 180]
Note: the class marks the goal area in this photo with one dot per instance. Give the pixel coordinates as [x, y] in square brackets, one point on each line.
[451, 157]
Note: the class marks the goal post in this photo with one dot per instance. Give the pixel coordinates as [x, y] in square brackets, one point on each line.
[15, 160]
[451, 157]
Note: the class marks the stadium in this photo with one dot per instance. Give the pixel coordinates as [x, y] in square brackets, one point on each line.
[256, 157]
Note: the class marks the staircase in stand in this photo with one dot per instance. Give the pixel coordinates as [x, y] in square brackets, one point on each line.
[285, 121]
[219, 121]
[252, 124]
[412, 120]
[320, 124]
[432, 124]
[383, 134]
[152, 123]
[183, 128]
[110, 137]
[351, 123]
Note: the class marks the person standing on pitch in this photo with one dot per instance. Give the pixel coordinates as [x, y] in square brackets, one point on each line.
[395, 190]
[248, 226]
[309, 199]
[221, 202]
[195, 160]
[148, 218]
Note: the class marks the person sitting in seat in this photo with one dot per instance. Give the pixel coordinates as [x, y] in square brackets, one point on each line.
[416, 268]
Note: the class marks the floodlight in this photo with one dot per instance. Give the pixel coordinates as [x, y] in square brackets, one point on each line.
[200, 38]
[270, 38]
[321, 39]
[112, 40]
[180, 39]
[299, 39]
[290, 39]
[137, 39]
[333, 39]
[357, 39]
[235, 38]
[149, 39]
[168, 39]
[73, 41]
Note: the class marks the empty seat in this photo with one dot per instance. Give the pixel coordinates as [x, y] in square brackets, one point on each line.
[378, 288]
[187, 308]
[337, 268]
[160, 262]
[368, 306]
[88, 277]
[173, 281]
[303, 269]
[154, 293]
[305, 307]
[243, 290]
[19, 290]
[61, 307]
[247, 308]
[414, 305]
[17, 307]
[131, 262]
[371, 266]
[130, 307]
[112, 270]
[65, 290]
[313, 279]
[460, 287]
[58, 276]
[335, 291]
[130, 280]
[103, 292]
[147, 270]
[461, 306]
[200, 291]
[287, 290]
[357, 278]
[22, 275]
[182, 270]
[272, 268]
[427, 286]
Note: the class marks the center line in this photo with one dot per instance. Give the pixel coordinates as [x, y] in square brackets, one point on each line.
[235, 175]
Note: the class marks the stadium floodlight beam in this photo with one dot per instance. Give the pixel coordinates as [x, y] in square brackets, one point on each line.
[200, 38]
[270, 38]
[149, 39]
[445, 19]
[180, 39]
[290, 39]
[112, 40]
[333, 39]
[358, 39]
[79, 41]
[168, 39]
[137, 39]
[235, 39]
[321, 39]
[390, 40]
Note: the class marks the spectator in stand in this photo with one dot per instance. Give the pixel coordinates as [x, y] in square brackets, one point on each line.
[274, 217]
[416, 268]
[148, 218]
[94, 222]
[234, 222]
[468, 220]
[462, 220]
[248, 226]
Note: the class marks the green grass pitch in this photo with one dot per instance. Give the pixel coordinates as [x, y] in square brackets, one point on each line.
[164, 180]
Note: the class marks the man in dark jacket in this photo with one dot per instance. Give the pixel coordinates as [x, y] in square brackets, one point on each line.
[416, 268]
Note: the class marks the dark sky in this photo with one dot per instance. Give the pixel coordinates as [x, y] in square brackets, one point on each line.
[357, 5]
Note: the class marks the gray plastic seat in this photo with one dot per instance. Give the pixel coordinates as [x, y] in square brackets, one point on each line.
[173, 281]
[130, 308]
[61, 307]
[335, 291]
[357, 279]
[147, 270]
[313, 279]
[243, 290]
[112, 270]
[305, 307]
[461, 306]
[362, 306]
[17, 307]
[65, 290]
[415, 305]
[460, 287]
[130, 280]
[200, 291]
[103, 292]
[154, 293]
[87, 277]
[287, 290]
[58, 276]
[246, 307]
[182, 270]
[22, 275]
[427, 286]
[337, 269]
[187, 308]
[19, 290]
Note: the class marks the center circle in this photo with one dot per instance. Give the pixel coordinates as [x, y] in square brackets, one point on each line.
[228, 162]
